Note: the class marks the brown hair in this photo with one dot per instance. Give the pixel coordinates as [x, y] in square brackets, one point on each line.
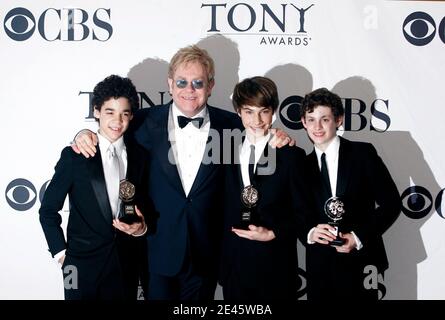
[256, 91]
[322, 97]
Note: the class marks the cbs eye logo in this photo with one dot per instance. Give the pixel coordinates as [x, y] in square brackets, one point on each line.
[417, 202]
[419, 28]
[21, 194]
[19, 24]
[290, 112]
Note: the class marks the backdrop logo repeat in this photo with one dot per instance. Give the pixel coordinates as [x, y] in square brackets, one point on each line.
[355, 118]
[273, 24]
[419, 28]
[21, 194]
[66, 24]
[417, 202]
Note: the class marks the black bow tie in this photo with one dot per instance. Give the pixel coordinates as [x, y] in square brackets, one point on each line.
[183, 121]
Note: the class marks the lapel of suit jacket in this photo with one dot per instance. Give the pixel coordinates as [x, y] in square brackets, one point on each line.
[100, 187]
[344, 167]
[162, 147]
[206, 169]
[237, 163]
[267, 164]
[132, 168]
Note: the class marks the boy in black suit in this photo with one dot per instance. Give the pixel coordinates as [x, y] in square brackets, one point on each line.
[263, 196]
[102, 256]
[352, 186]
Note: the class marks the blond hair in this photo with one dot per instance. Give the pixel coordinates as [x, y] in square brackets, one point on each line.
[192, 54]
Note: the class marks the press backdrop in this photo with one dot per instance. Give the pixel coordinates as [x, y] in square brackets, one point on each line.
[386, 59]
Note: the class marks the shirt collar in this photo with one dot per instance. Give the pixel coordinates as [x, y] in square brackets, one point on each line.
[259, 144]
[331, 151]
[104, 143]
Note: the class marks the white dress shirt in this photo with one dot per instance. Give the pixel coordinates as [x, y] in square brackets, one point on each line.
[259, 144]
[190, 144]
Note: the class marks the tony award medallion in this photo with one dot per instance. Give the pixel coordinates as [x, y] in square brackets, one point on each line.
[127, 190]
[335, 209]
[249, 198]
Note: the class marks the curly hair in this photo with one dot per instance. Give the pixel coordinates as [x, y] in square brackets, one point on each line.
[115, 87]
[322, 97]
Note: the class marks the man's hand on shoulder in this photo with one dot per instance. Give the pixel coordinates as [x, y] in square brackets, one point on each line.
[280, 139]
[85, 142]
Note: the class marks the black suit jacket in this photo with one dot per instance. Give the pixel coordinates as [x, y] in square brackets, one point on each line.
[265, 270]
[188, 226]
[92, 244]
[372, 204]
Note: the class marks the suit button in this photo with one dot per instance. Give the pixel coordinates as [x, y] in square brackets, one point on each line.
[189, 200]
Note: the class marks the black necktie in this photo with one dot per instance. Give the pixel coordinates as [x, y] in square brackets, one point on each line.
[252, 163]
[325, 174]
[183, 121]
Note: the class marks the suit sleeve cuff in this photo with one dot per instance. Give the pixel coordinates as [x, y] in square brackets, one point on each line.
[309, 236]
[357, 241]
[59, 255]
[142, 233]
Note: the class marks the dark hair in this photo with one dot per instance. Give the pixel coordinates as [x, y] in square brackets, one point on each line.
[256, 91]
[322, 97]
[115, 87]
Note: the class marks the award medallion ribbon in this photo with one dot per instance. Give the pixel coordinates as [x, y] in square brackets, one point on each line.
[249, 195]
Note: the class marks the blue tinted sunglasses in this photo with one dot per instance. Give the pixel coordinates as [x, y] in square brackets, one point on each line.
[196, 84]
